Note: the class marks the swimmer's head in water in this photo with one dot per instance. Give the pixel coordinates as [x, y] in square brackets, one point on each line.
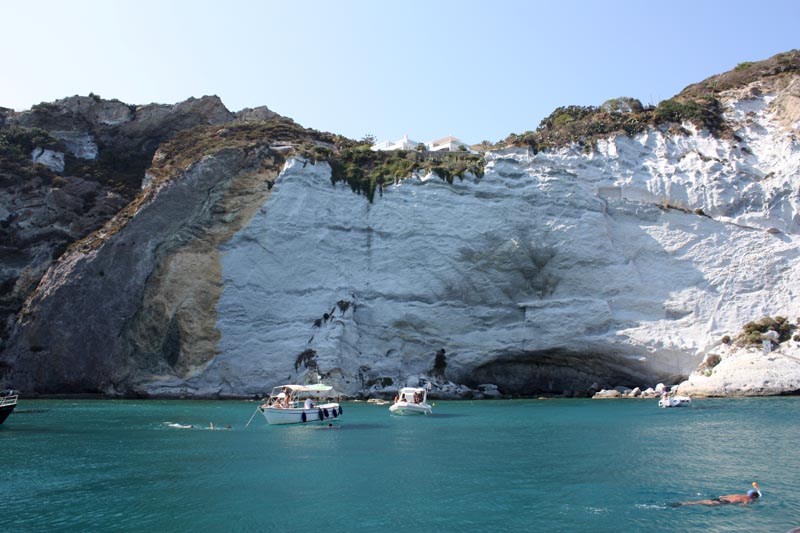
[753, 494]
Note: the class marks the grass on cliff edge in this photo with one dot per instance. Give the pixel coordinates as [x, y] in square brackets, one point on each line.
[697, 104]
[351, 161]
[367, 171]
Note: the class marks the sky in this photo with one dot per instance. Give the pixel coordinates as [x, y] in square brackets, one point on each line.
[478, 70]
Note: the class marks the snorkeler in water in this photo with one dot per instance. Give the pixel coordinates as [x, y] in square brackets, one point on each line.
[743, 499]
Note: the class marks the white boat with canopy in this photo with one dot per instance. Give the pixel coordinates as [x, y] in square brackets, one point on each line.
[674, 401]
[411, 401]
[301, 404]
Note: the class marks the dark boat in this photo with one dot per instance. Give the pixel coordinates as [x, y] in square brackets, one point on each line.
[8, 401]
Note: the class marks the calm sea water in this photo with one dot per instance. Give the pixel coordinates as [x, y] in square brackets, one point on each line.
[537, 465]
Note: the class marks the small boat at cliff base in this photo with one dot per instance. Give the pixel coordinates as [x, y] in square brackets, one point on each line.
[8, 401]
[301, 404]
[411, 401]
[674, 401]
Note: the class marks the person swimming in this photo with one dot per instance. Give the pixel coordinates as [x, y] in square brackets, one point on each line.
[743, 499]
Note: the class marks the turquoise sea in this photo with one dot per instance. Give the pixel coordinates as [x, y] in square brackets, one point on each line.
[515, 465]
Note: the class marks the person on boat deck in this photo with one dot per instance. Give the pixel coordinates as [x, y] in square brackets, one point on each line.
[743, 499]
[396, 398]
[281, 401]
[284, 398]
[308, 404]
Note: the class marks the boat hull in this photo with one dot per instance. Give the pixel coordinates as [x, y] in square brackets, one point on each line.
[298, 415]
[5, 411]
[410, 409]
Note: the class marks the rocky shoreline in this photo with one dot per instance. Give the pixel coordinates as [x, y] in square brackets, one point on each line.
[736, 372]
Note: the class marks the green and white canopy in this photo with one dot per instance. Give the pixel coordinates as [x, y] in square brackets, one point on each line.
[317, 389]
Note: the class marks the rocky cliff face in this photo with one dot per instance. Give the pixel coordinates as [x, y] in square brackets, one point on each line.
[555, 272]
[562, 271]
[101, 316]
[90, 158]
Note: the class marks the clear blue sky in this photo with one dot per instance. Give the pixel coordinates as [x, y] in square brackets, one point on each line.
[475, 69]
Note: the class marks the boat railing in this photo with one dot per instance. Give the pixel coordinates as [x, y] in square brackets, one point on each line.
[8, 400]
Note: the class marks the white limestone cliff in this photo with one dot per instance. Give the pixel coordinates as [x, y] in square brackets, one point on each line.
[552, 272]
[747, 372]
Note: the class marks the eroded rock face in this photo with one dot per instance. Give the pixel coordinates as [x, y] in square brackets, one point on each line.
[103, 317]
[256, 113]
[49, 158]
[73, 114]
[79, 144]
[111, 121]
[41, 215]
[558, 272]
[426, 266]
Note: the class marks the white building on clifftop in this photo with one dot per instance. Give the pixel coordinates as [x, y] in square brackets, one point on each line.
[445, 144]
[403, 144]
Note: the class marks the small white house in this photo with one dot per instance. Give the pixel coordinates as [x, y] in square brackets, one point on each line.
[383, 145]
[446, 144]
[403, 144]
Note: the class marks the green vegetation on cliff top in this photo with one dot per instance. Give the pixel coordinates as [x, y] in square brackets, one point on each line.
[697, 104]
[367, 171]
[351, 161]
